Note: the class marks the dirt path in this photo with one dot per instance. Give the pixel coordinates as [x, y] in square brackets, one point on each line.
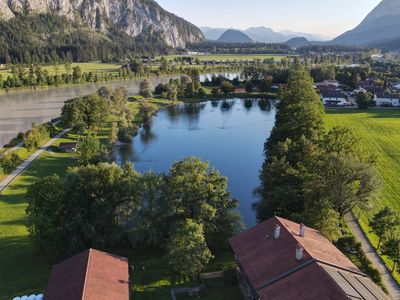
[390, 283]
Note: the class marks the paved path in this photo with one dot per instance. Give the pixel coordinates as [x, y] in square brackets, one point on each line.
[29, 160]
[391, 285]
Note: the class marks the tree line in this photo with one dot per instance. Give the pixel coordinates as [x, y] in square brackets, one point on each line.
[188, 212]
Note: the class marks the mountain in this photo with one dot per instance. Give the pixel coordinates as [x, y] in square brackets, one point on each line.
[132, 17]
[212, 34]
[308, 36]
[265, 35]
[297, 42]
[234, 36]
[381, 26]
[262, 34]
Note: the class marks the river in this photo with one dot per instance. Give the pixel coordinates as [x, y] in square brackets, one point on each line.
[229, 134]
[19, 109]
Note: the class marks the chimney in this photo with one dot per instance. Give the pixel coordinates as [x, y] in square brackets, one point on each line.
[299, 252]
[277, 231]
[302, 229]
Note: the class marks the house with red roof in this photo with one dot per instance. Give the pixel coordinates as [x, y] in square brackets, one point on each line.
[280, 259]
[90, 275]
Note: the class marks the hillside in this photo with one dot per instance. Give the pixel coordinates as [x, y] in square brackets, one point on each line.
[234, 36]
[132, 17]
[297, 42]
[379, 27]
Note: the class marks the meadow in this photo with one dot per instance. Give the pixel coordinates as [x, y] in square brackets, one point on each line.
[231, 57]
[379, 132]
[95, 67]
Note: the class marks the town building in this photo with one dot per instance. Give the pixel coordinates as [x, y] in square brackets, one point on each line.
[333, 98]
[68, 147]
[387, 100]
[280, 259]
[90, 275]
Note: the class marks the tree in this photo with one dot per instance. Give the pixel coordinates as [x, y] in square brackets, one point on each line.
[76, 74]
[249, 87]
[187, 250]
[391, 248]
[364, 100]
[195, 192]
[291, 150]
[89, 149]
[45, 214]
[36, 136]
[113, 137]
[227, 87]
[383, 223]
[265, 84]
[146, 88]
[71, 215]
[345, 172]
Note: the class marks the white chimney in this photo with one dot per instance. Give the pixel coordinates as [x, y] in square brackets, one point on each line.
[277, 231]
[302, 230]
[299, 252]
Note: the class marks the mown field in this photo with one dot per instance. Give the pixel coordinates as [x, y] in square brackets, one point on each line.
[379, 131]
[95, 67]
[228, 56]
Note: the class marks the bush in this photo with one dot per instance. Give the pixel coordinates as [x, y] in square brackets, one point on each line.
[201, 93]
[215, 91]
[10, 163]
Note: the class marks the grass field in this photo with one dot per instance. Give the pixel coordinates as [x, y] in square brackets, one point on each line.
[95, 67]
[379, 131]
[228, 56]
[22, 271]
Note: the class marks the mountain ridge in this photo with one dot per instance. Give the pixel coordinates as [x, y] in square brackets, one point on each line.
[381, 24]
[132, 17]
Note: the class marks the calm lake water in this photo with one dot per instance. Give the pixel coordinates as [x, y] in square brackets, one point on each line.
[229, 134]
[19, 109]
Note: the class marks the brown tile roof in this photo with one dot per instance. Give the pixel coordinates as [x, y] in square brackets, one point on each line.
[273, 272]
[90, 275]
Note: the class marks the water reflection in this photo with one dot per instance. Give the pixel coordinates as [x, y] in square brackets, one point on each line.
[230, 134]
[18, 110]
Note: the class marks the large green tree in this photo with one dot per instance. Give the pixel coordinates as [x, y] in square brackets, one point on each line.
[194, 191]
[384, 223]
[290, 150]
[187, 250]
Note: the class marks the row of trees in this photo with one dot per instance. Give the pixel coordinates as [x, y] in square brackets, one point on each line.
[187, 212]
[385, 224]
[312, 175]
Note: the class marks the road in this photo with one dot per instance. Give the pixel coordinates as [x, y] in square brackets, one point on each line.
[391, 285]
[29, 160]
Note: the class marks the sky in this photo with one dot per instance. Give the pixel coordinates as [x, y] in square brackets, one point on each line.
[329, 18]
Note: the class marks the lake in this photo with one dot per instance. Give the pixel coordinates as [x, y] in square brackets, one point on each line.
[18, 109]
[229, 134]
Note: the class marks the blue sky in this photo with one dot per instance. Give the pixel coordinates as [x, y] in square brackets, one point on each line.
[330, 18]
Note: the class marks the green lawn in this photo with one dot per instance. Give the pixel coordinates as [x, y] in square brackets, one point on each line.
[95, 67]
[379, 131]
[229, 56]
[152, 279]
[22, 270]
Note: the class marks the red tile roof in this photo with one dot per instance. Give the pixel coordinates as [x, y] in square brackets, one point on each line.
[273, 272]
[91, 275]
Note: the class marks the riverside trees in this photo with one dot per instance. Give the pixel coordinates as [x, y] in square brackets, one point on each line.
[105, 205]
[311, 174]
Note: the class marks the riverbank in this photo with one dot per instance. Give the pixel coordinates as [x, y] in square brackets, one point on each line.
[23, 270]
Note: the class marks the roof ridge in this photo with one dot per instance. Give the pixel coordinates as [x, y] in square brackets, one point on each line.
[86, 274]
[341, 268]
